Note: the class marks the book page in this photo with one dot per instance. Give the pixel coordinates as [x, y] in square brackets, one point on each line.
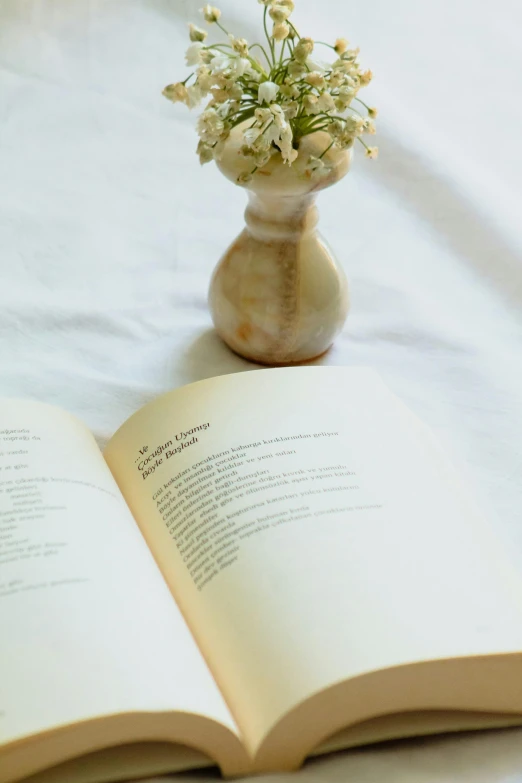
[89, 627]
[311, 532]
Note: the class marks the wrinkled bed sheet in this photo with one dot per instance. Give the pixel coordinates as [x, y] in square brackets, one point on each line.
[109, 230]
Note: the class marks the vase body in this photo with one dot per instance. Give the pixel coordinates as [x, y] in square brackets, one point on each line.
[278, 295]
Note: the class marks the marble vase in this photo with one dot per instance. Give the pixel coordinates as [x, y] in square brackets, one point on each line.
[278, 295]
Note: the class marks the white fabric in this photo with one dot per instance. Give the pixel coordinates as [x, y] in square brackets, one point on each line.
[109, 230]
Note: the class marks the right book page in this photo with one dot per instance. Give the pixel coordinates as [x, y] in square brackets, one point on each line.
[313, 533]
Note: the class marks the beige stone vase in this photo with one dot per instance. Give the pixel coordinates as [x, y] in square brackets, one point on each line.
[278, 295]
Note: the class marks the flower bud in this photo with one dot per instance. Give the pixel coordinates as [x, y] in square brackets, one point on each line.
[211, 13]
[303, 50]
[196, 33]
[280, 31]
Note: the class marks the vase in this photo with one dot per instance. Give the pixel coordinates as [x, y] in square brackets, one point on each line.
[278, 295]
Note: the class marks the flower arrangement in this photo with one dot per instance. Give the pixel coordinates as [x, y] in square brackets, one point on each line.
[279, 92]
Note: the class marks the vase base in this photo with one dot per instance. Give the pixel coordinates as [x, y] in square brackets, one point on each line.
[251, 357]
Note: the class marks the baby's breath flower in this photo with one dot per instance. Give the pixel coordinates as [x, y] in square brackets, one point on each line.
[372, 111]
[316, 79]
[196, 33]
[287, 4]
[176, 92]
[279, 13]
[365, 78]
[303, 50]
[280, 31]
[372, 152]
[267, 92]
[341, 45]
[193, 55]
[244, 178]
[211, 13]
[369, 127]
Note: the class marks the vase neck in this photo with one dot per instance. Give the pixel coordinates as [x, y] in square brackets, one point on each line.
[280, 218]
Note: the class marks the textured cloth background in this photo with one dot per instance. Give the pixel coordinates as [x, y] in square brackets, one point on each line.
[109, 231]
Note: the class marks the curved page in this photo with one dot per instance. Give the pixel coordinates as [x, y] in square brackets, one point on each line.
[89, 627]
[311, 532]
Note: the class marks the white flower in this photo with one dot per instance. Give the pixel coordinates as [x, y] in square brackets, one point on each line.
[325, 103]
[241, 66]
[296, 69]
[250, 135]
[316, 167]
[263, 115]
[176, 92]
[291, 110]
[310, 104]
[369, 127]
[267, 92]
[210, 126]
[372, 152]
[335, 79]
[194, 96]
[315, 78]
[196, 33]
[280, 31]
[365, 78]
[372, 111]
[288, 153]
[193, 55]
[354, 125]
[204, 79]
[239, 45]
[287, 4]
[278, 114]
[211, 13]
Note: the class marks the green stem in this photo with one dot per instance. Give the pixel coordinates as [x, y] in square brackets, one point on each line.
[323, 43]
[188, 77]
[222, 28]
[263, 50]
[293, 28]
[270, 40]
[328, 148]
[363, 103]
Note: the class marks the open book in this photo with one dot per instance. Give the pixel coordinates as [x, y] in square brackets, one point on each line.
[261, 567]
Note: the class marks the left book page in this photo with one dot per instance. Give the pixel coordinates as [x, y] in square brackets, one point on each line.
[89, 629]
